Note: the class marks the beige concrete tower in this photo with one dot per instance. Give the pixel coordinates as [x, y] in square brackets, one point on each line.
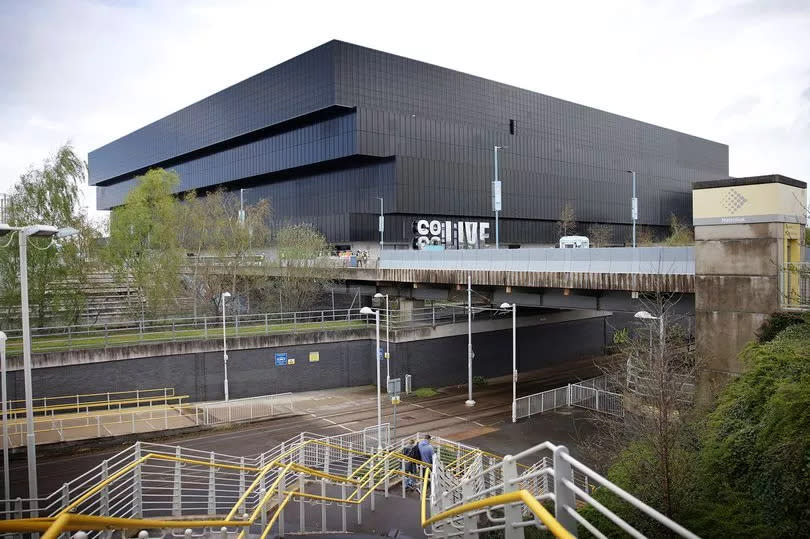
[746, 231]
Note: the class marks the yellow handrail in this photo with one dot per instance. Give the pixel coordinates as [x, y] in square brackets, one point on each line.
[74, 397]
[524, 496]
[98, 404]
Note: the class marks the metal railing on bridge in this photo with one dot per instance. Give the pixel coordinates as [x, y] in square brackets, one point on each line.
[134, 332]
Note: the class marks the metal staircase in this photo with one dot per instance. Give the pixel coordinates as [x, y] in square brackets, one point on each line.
[314, 484]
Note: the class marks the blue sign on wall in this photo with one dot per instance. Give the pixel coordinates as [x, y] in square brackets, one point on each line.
[281, 359]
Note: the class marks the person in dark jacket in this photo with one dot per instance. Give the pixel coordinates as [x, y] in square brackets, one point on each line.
[412, 451]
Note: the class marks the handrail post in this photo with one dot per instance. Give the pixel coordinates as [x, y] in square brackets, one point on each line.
[512, 512]
[564, 497]
[242, 481]
[469, 520]
[104, 494]
[137, 484]
[212, 486]
[205, 326]
[266, 325]
[176, 486]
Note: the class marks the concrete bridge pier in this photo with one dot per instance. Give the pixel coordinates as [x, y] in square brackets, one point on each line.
[746, 231]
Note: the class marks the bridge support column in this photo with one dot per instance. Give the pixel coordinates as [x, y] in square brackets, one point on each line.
[407, 307]
[746, 230]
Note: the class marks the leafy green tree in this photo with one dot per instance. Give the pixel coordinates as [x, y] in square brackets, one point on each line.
[144, 246]
[756, 446]
[57, 274]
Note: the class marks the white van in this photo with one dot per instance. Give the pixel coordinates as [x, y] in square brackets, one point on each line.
[574, 242]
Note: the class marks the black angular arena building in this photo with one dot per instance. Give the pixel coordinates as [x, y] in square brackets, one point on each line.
[323, 134]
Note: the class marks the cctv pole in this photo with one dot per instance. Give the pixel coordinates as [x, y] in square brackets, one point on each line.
[29, 399]
[6, 486]
[470, 401]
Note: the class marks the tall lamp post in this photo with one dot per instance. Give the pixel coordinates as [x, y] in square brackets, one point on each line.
[514, 357]
[368, 310]
[6, 486]
[381, 226]
[24, 233]
[387, 340]
[225, 295]
[496, 195]
[634, 207]
[644, 315]
[470, 353]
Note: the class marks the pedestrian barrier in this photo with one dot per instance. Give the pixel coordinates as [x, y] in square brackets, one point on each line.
[192, 493]
[247, 409]
[76, 403]
[590, 394]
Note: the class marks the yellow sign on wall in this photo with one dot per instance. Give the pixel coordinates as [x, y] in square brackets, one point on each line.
[729, 204]
[314, 357]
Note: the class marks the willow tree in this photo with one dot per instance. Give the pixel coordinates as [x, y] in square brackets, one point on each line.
[144, 246]
[57, 273]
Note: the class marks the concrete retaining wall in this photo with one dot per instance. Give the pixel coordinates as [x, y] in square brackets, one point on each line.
[252, 371]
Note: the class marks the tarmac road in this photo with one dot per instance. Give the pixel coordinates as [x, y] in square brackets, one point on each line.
[332, 412]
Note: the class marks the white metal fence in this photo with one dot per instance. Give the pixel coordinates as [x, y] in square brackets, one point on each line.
[247, 409]
[591, 394]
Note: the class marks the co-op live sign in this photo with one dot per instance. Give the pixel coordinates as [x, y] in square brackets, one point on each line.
[450, 234]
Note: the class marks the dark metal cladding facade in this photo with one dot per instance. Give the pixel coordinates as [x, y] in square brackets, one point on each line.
[324, 133]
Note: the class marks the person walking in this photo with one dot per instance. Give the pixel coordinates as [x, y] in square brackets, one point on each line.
[412, 451]
[426, 451]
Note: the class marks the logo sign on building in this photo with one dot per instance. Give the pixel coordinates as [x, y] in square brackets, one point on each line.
[450, 234]
[314, 357]
[281, 359]
[291, 361]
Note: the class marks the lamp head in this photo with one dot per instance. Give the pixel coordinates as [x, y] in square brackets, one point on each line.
[44, 231]
[379, 295]
[644, 315]
[6, 229]
[226, 294]
[66, 232]
[367, 310]
[505, 305]
[629, 171]
[2, 337]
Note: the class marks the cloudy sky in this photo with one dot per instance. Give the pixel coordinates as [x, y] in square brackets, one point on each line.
[734, 71]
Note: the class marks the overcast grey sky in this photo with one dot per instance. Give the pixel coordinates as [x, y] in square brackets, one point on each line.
[734, 71]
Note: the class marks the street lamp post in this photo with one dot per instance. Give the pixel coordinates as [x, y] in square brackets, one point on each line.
[514, 357]
[381, 226]
[387, 340]
[470, 354]
[496, 195]
[25, 233]
[368, 310]
[225, 344]
[644, 315]
[6, 486]
[634, 207]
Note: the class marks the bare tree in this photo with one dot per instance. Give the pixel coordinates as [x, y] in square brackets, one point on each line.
[600, 235]
[568, 221]
[305, 273]
[222, 245]
[657, 383]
